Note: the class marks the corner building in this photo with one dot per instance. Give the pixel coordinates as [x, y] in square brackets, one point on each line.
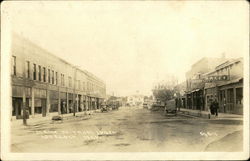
[45, 83]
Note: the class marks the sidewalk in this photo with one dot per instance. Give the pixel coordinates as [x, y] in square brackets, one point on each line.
[38, 118]
[206, 114]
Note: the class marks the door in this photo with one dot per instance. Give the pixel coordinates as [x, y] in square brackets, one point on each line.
[44, 109]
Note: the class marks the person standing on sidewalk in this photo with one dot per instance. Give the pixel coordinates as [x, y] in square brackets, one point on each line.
[216, 107]
[212, 107]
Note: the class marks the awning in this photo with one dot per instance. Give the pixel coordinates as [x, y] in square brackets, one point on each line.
[230, 81]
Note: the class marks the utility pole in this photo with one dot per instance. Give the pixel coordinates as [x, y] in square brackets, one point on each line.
[24, 108]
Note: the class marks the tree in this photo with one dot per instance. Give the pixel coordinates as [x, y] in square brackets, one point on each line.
[164, 94]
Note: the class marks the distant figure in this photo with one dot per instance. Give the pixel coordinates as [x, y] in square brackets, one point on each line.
[216, 107]
[224, 105]
[212, 108]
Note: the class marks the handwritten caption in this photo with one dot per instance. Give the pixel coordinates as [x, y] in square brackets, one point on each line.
[208, 134]
[86, 135]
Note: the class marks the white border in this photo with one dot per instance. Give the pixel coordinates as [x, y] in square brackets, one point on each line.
[5, 119]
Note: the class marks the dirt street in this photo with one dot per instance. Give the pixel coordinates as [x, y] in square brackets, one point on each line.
[129, 129]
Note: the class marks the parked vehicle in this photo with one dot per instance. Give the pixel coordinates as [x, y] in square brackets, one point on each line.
[145, 105]
[104, 108]
[170, 107]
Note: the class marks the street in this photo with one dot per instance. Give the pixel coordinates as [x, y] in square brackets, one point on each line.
[129, 129]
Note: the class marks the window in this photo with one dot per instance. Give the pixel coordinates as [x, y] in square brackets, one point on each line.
[70, 81]
[53, 75]
[62, 80]
[83, 86]
[39, 73]
[79, 84]
[34, 71]
[44, 74]
[13, 65]
[239, 96]
[56, 79]
[48, 75]
[28, 69]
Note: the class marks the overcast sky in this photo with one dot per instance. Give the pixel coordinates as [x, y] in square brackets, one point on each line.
[131, 45]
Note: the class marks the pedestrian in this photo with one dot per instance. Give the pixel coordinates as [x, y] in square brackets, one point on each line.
[212, 108]
[216, 107]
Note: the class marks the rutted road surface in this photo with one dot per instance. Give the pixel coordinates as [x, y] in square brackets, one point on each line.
[129, 129]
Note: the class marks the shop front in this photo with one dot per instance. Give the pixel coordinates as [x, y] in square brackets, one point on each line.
[63, 99]
[53, 96]
[21, 97]
[231, 97]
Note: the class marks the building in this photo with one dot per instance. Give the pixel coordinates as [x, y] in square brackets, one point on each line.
[228, 91]
[222, 81]
[44, 83]
[135, 100]
[194, 81]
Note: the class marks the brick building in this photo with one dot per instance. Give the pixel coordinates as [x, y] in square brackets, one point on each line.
[45, 83]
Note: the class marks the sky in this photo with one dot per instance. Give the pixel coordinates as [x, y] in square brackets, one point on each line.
[132, 45]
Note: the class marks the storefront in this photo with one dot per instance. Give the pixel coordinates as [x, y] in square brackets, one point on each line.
[53, 96]
[63, 99]
[70, 105]
[231, 97]
[18, 102]
[211, 93]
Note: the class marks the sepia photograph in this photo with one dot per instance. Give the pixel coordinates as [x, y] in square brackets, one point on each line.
[125, 80]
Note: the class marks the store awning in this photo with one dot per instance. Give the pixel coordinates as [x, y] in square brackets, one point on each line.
[230, 81]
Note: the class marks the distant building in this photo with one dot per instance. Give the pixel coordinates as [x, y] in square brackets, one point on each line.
[135, 100]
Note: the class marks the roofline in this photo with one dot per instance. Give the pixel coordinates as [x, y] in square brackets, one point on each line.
[14, 34]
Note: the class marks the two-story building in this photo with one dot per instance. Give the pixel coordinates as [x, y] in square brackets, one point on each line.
[194, 81]
[45, 83]
[228, 91]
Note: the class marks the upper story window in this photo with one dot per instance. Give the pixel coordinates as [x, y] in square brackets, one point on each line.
[39, 73]
[79, 84]
[48, 75]
[53, 75]
[44, 74]
[70, 82]
[28, 69]
[34, 71]
[56, 79]
[83, 86]
[13, 65]
[62, 80]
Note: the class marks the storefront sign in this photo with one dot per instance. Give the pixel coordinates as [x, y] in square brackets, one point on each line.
[216, 78]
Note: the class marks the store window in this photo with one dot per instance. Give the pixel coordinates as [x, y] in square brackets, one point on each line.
[239, 96]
